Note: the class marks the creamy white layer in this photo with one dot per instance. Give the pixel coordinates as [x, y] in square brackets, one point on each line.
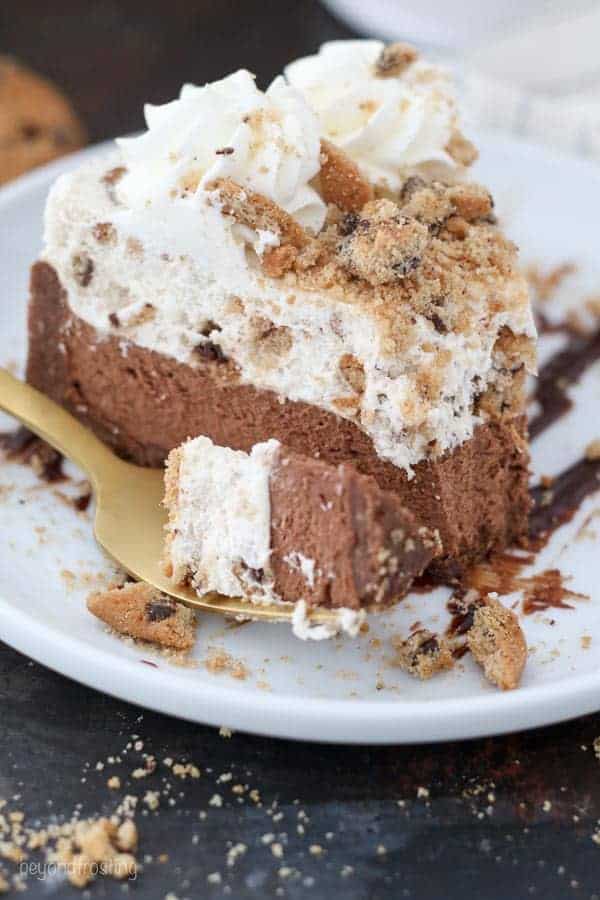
[391, 127]
[162, 281]
[221, 530]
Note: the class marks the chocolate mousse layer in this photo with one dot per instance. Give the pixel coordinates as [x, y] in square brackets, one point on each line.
[144, 404]
[363, 548]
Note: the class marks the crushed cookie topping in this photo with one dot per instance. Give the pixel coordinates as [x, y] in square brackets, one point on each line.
[394, 59]
[257, 211]
[383, 245]
[341, 181]
[462, 151]
[353, 372]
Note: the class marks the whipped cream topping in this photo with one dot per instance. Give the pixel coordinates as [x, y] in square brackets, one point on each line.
[390, 127]
[268, 142]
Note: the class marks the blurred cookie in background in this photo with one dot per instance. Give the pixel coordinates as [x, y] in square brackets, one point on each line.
[37, 123]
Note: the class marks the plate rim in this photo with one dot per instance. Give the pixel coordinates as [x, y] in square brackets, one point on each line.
[336, 720]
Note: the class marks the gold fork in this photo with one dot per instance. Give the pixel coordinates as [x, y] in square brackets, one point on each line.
[130, 518]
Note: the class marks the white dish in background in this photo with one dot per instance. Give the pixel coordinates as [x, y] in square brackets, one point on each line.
[456, 26]
[342, 690]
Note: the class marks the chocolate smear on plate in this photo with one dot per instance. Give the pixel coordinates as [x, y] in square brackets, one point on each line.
[556, 501]
[561, 371]
[22, 445]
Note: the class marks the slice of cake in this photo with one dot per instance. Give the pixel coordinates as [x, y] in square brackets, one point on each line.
[303, 264]
[276, 526]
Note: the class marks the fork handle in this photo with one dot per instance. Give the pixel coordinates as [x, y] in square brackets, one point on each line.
[55, 425]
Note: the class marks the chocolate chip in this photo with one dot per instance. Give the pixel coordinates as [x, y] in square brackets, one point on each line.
[114, 319]
[406, 266]
[81, 503]
[208, 327]
[114, 175]
[463, 622]
[159, 610]
[411, 186]
[438, 323]
[14, 442]
[30, 131]
[104, 232]
[225, 151]
[83, 268]
[348, 224]
[430, 646]
[256, 574]
[210, 352]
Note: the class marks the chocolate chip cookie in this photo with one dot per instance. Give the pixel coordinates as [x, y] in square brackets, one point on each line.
[37, 123]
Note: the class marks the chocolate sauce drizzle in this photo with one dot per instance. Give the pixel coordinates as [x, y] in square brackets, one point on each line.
[561, 371]
[556, 504]
[23, 445]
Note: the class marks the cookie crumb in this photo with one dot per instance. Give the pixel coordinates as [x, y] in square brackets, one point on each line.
[395, 59]
[341, 181]
[140, 611]
[592, 451]
[423, 654]
[497, 643]
[383, 245]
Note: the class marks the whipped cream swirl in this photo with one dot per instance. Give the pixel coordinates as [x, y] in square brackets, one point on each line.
[391, 127]
[268, 142]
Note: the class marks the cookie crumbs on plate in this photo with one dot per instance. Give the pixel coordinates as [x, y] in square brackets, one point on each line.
[152, 800]
[114, 783]
[185, 770]
[225, 732]
[139, 611]
[234, 852]
[219, 661]
[592, 451]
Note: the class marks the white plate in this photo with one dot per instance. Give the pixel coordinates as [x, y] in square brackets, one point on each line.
[342, 690]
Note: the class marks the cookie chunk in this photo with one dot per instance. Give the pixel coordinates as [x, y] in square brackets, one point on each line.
[395, 59]
[423, 654]
[381, 244]
[498, 644]
[140, 611]
[37, 123]
[341, 181]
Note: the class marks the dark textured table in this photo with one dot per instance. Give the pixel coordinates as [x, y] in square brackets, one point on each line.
[508, 817]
